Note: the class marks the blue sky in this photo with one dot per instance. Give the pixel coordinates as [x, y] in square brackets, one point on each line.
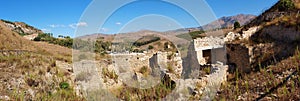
[61, 17]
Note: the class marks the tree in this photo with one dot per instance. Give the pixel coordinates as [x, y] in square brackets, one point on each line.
[150, 47]
[236, 25]
[286, 5]
[60, 36]
[38, 38]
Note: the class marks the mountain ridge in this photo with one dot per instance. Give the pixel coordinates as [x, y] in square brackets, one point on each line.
[224, 22]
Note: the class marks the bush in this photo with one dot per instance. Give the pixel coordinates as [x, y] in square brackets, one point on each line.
[170, 68]
[236, 25]
[64, 85]
[145, 42]
[286, 5]
[110, 74]
[196, 34]
[150, 47]
[144, 70]
[37, 39]
[48, 37]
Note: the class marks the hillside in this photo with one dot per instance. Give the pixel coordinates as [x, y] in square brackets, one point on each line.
[266, 61]
[23, 29]
[33, 70]
[277, 30]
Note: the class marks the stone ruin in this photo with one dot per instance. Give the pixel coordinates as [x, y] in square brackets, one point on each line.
[127, 67]
[209, 50]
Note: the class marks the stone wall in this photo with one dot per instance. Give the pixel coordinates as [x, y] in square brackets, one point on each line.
[160, 61]
[238, 57]
[210, 50]
[218, 55]
[208, 43]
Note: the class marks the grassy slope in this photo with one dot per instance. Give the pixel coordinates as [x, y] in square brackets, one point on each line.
[30, 69]
[12, 41]
[268, 83]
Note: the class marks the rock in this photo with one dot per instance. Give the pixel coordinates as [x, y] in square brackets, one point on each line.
[274, 95]
[231, 36]
[31, 92]
[4, 98]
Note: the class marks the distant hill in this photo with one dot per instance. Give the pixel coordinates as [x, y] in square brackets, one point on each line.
[171, 35]
[227, 22]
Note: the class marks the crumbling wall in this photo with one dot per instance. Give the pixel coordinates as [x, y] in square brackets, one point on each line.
[160, 61]
[218, 55]
[209, 50]
[238, 57]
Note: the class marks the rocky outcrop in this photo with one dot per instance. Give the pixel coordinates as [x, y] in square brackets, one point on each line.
[245, 35]
[23, 29]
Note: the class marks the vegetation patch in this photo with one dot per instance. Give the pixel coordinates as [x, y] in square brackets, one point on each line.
[286, 5]
[64, 85]
[109, 74]
[48, 37]
[275, 82]
[191, 35]
[152, 94]
[146, 40]
[144, 70]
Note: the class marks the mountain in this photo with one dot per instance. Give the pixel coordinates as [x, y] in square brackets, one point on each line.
[227, 22]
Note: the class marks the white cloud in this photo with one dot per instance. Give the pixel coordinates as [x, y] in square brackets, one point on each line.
[118, 23]
[80, 24]
[56, 25]
[104, 30]
[46, 30]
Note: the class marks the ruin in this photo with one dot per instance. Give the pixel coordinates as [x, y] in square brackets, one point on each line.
[209, 50]
[238, 57]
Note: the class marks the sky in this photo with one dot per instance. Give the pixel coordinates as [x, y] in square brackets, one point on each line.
[65, 17]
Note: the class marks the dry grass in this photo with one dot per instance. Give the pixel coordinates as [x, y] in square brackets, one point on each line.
[30, 69]
[152, 94]
[268, 84]
[109, 74]
[12, 41]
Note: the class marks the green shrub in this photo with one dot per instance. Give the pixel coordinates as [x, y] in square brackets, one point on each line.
[145, 42]
[150, 47]
[37, 38]
[144, 70]
[196, 34]
[110, 74]
[48, 37]
[236, 25]
[286, 5]
[170, 68]
[64, 85]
